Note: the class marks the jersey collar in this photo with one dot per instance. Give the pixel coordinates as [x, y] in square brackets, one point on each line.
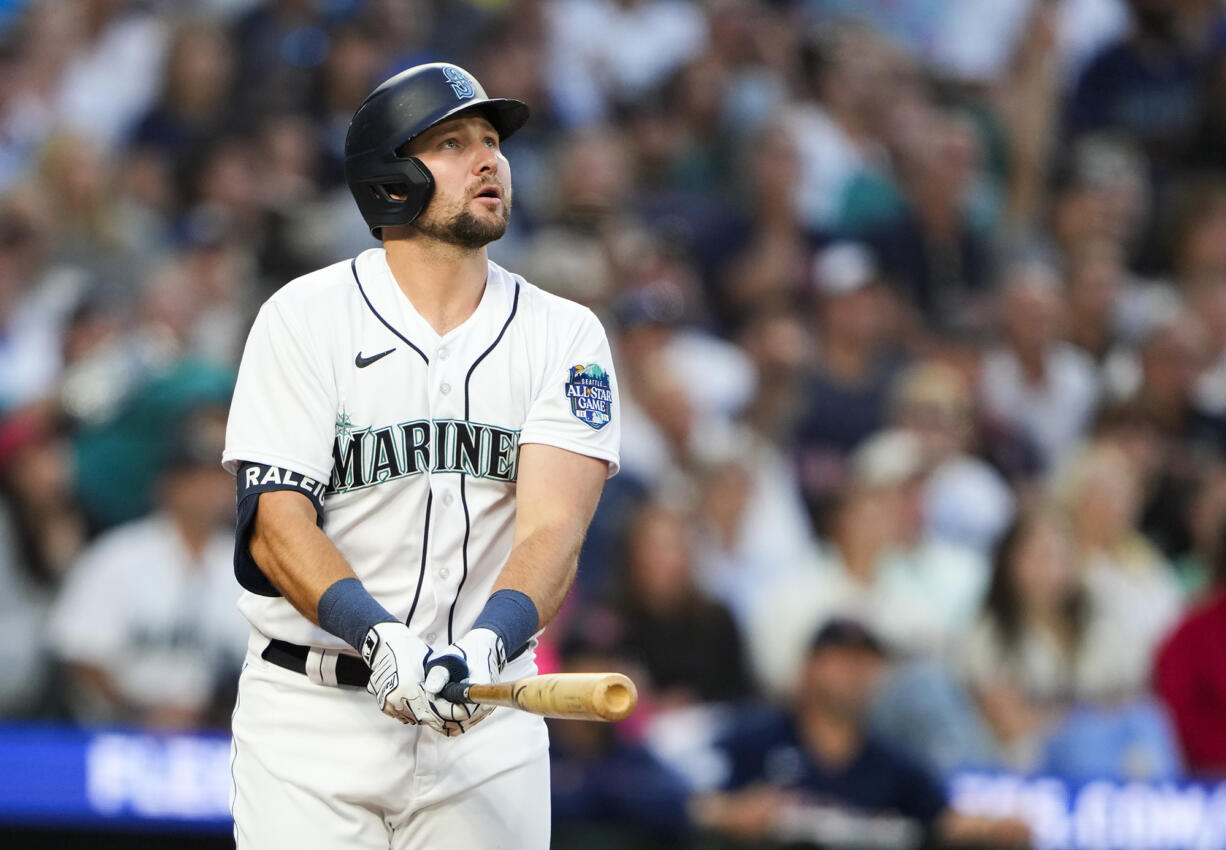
[394, 307]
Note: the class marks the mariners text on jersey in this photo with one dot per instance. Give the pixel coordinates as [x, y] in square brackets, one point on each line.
[376, 455]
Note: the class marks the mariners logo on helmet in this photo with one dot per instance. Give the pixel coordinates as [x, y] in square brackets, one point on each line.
[460, 83]
[591, 398]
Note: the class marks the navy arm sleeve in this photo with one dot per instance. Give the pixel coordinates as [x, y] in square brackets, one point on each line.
[254, 479]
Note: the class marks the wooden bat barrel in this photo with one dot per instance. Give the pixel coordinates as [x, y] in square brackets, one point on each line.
[572, 696]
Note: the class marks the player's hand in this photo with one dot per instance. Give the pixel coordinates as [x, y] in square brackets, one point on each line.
[395, 657]
[478, 658]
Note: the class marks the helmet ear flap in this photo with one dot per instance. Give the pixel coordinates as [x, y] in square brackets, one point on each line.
[398, 196]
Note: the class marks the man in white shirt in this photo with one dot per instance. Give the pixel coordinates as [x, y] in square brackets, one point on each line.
[146, 622]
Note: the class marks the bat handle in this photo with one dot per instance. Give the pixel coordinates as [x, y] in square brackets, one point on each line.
[455, 692]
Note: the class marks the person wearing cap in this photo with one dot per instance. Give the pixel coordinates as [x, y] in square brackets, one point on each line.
[145, 622]
[845, 399]
[818, 766]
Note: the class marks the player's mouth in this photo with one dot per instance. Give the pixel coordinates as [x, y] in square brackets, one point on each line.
[490, 196]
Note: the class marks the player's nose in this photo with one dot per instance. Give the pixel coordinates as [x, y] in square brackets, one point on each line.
[486, 161]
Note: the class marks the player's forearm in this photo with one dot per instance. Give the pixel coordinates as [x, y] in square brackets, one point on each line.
[295, 555]
[557, 495]
[543, 567]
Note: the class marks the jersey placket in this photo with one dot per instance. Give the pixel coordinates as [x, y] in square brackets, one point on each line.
[446, 544]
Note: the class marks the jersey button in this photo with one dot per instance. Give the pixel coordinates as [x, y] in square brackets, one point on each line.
[445, 388]
[430, 638]
[448, 498]
[443, 354]
[444, 572]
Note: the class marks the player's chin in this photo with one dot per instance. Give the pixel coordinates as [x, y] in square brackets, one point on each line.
[491, 210]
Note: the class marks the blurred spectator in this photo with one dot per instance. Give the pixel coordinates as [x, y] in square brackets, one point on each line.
[1146, 84]
[1172, 357]
[1163, 390]
[1042, 646]
[1101, 192]
[89, 229]
[849, 73]
[771, 271]
[195, 94]
[604, 53]
[112, 78]
[24, 602]
[1190, 673]
[780, 346]
[121, 447]
[688, 643]
[1127, 579]
[41, 532]
[608, 790]
[819, 762]
[36, 301]
[36, 478]
[1196, 229]
[279, 45]
[753, 530]
[37, 50]
[965, 500]
[1095, 286]
[147, 622]
[934, 239]
[196, 304]
[683, 386]
[1206, 298]
[846, 396]
[1206, 518]
[1039, 387]
[918, 593]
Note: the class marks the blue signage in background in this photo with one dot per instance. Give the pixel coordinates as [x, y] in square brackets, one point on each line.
[75, 778]
[1101, 815]
[127, 779]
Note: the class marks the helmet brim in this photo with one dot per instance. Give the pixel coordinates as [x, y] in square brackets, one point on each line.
[505, 113]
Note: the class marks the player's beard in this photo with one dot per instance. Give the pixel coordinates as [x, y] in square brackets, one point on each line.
[465, 230]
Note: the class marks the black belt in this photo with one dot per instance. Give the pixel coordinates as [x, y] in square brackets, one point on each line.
[350, 670]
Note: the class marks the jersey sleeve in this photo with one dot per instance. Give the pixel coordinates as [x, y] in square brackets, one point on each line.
[283, 413]
[576, 407]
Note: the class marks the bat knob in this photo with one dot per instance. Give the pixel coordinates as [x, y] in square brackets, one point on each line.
[454, 692]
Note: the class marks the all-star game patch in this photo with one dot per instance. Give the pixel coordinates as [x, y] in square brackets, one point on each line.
[591, 397]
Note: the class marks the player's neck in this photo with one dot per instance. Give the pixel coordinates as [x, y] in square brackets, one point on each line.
[444, 283]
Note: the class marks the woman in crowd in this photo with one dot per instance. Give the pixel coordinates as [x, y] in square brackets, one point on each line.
[1045, 662]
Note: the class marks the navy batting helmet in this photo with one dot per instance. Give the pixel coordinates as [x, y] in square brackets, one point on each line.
[401, 108]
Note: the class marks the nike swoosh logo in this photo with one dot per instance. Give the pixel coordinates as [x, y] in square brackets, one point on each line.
[362, 362]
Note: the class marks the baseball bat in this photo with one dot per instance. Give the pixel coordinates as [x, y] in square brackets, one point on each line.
[573, 696]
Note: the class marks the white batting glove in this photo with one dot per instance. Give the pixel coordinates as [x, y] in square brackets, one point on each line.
[395, 657]
[478, 658]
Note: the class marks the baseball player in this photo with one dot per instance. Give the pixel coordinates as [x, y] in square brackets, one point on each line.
[420, 438]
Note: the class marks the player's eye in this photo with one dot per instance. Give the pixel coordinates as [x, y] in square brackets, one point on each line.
[451, 142]
[491, 141]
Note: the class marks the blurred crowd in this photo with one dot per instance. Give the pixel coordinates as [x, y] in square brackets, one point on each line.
[919, 314]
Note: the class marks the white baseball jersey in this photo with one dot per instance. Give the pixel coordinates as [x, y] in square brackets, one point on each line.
[407, 441]
[160, 621]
